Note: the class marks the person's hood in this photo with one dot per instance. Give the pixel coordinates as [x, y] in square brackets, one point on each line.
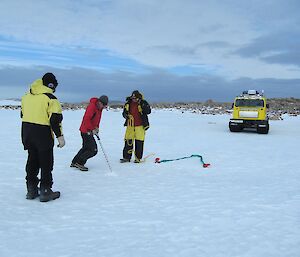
[94, 101]
[128, 98]
[37, 88]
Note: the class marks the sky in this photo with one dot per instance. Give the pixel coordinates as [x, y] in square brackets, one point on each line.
[171, 50]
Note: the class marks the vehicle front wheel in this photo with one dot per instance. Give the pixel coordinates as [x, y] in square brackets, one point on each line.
[263, 130]
[235, 128]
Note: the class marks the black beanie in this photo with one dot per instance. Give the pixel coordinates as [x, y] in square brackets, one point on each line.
[136, 94]
[103, 99]
[50, 81]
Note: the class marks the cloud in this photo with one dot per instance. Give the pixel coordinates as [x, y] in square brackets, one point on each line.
[172, 49]
[79, 84]
[280, 48]
[161, 34]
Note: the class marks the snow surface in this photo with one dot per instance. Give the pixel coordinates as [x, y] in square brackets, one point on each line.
[247, 204]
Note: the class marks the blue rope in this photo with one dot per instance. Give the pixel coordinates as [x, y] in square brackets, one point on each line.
[157, 160]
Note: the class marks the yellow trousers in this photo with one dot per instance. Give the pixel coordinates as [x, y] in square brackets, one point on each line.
[136, 136]
[137, 133]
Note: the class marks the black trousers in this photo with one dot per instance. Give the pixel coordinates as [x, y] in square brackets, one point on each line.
[88, 150]
[128, 149]
[39, 160]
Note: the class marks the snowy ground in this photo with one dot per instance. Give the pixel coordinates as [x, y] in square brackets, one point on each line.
[247, 204]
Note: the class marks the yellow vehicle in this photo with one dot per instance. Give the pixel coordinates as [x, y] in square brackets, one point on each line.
[250, 111]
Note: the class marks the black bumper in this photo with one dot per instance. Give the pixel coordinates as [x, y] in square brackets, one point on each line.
[249, 123]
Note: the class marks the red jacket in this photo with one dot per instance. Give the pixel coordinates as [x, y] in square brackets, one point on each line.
[134, 111]
[92, 117]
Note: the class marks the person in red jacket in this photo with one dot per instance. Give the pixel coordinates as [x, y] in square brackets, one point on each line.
[89, 127]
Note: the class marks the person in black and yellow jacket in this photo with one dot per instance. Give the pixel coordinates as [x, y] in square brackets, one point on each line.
[135, 111]
[41, 115]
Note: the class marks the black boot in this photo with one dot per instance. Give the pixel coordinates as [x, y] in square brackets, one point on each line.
[32, 192]
[124, 160]
[47, 194]
[81, 167]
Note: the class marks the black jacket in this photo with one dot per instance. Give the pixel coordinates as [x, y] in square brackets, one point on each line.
[145, 110]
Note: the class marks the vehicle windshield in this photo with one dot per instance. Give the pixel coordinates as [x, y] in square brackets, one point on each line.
[249, 102]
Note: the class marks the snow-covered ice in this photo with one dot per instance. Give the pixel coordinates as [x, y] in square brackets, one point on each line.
[247, 204]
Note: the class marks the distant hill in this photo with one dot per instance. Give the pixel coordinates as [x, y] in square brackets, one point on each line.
[10, 102]
[278, 106]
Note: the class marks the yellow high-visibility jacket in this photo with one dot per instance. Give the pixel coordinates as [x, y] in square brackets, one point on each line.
[41, 115]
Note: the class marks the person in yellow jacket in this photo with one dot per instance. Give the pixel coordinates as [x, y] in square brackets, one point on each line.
[41, 115]
[135, 112]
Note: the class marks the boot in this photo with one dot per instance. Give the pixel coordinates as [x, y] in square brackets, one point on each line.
[81, 167]
[124, 160]
[32, 192]
[47, 194]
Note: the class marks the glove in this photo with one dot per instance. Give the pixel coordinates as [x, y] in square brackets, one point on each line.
[95, 131]
[61, 142]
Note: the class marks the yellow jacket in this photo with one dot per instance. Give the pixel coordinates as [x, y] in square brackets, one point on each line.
[37, 106]
[41, 115]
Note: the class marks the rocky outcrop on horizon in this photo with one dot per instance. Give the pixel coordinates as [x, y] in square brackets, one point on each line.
[278, 107]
